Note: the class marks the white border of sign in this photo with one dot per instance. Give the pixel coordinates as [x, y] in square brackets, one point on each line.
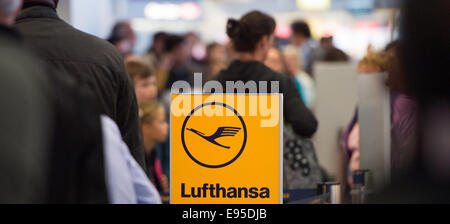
[281, 155]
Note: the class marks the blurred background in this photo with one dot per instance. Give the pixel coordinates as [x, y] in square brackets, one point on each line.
[354, 24]
[347, 29]
[372, 108]
[356, 27]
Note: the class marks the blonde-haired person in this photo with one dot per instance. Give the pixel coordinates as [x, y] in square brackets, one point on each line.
[375, 62]
[303, 80]
[403, 116]
[154, 130]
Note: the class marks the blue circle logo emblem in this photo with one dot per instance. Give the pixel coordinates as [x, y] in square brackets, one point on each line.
[214, 141]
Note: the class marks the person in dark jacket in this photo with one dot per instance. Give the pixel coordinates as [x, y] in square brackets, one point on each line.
[252, 36]
[51, 142]
[24, 134]
[87, 59]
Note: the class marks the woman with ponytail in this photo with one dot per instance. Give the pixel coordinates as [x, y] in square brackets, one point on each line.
[252, 36]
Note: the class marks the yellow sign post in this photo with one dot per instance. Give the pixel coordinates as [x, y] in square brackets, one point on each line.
[226, 149]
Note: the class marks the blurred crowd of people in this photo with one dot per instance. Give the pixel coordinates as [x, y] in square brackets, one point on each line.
[85, 121]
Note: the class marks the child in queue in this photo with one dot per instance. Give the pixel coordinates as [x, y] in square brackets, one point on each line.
[154, 130]
[153, 120]
[143, 80]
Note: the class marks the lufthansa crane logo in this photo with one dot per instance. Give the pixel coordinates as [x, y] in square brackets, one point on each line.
[221, 132]
[214, 141]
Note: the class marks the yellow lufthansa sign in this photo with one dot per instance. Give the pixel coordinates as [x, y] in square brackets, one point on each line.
[225, 149]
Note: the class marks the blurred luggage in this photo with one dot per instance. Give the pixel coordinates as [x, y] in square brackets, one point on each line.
[301, 168]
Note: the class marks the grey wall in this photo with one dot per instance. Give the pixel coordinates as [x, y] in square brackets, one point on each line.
[375, 127]
[335, 106]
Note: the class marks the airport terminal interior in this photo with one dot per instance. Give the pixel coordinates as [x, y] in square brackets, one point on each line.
[92, 93]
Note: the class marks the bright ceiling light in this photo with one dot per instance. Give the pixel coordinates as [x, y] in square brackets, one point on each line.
[171, 11]
[158, 11]
[313, 5]
[190, 11]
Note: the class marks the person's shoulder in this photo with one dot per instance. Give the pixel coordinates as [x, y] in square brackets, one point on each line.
[84, 43]
[95, 43]
[64, 37]
[96, 50]
[263, 73]
[221, 76]
[270, 74]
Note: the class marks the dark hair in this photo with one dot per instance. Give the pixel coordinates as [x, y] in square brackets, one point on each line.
[302, 28]
[119, 32]
[335, 55]
[50, 3]
[159, 35]
[328, 39]
[246, 32]
[173, 41]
